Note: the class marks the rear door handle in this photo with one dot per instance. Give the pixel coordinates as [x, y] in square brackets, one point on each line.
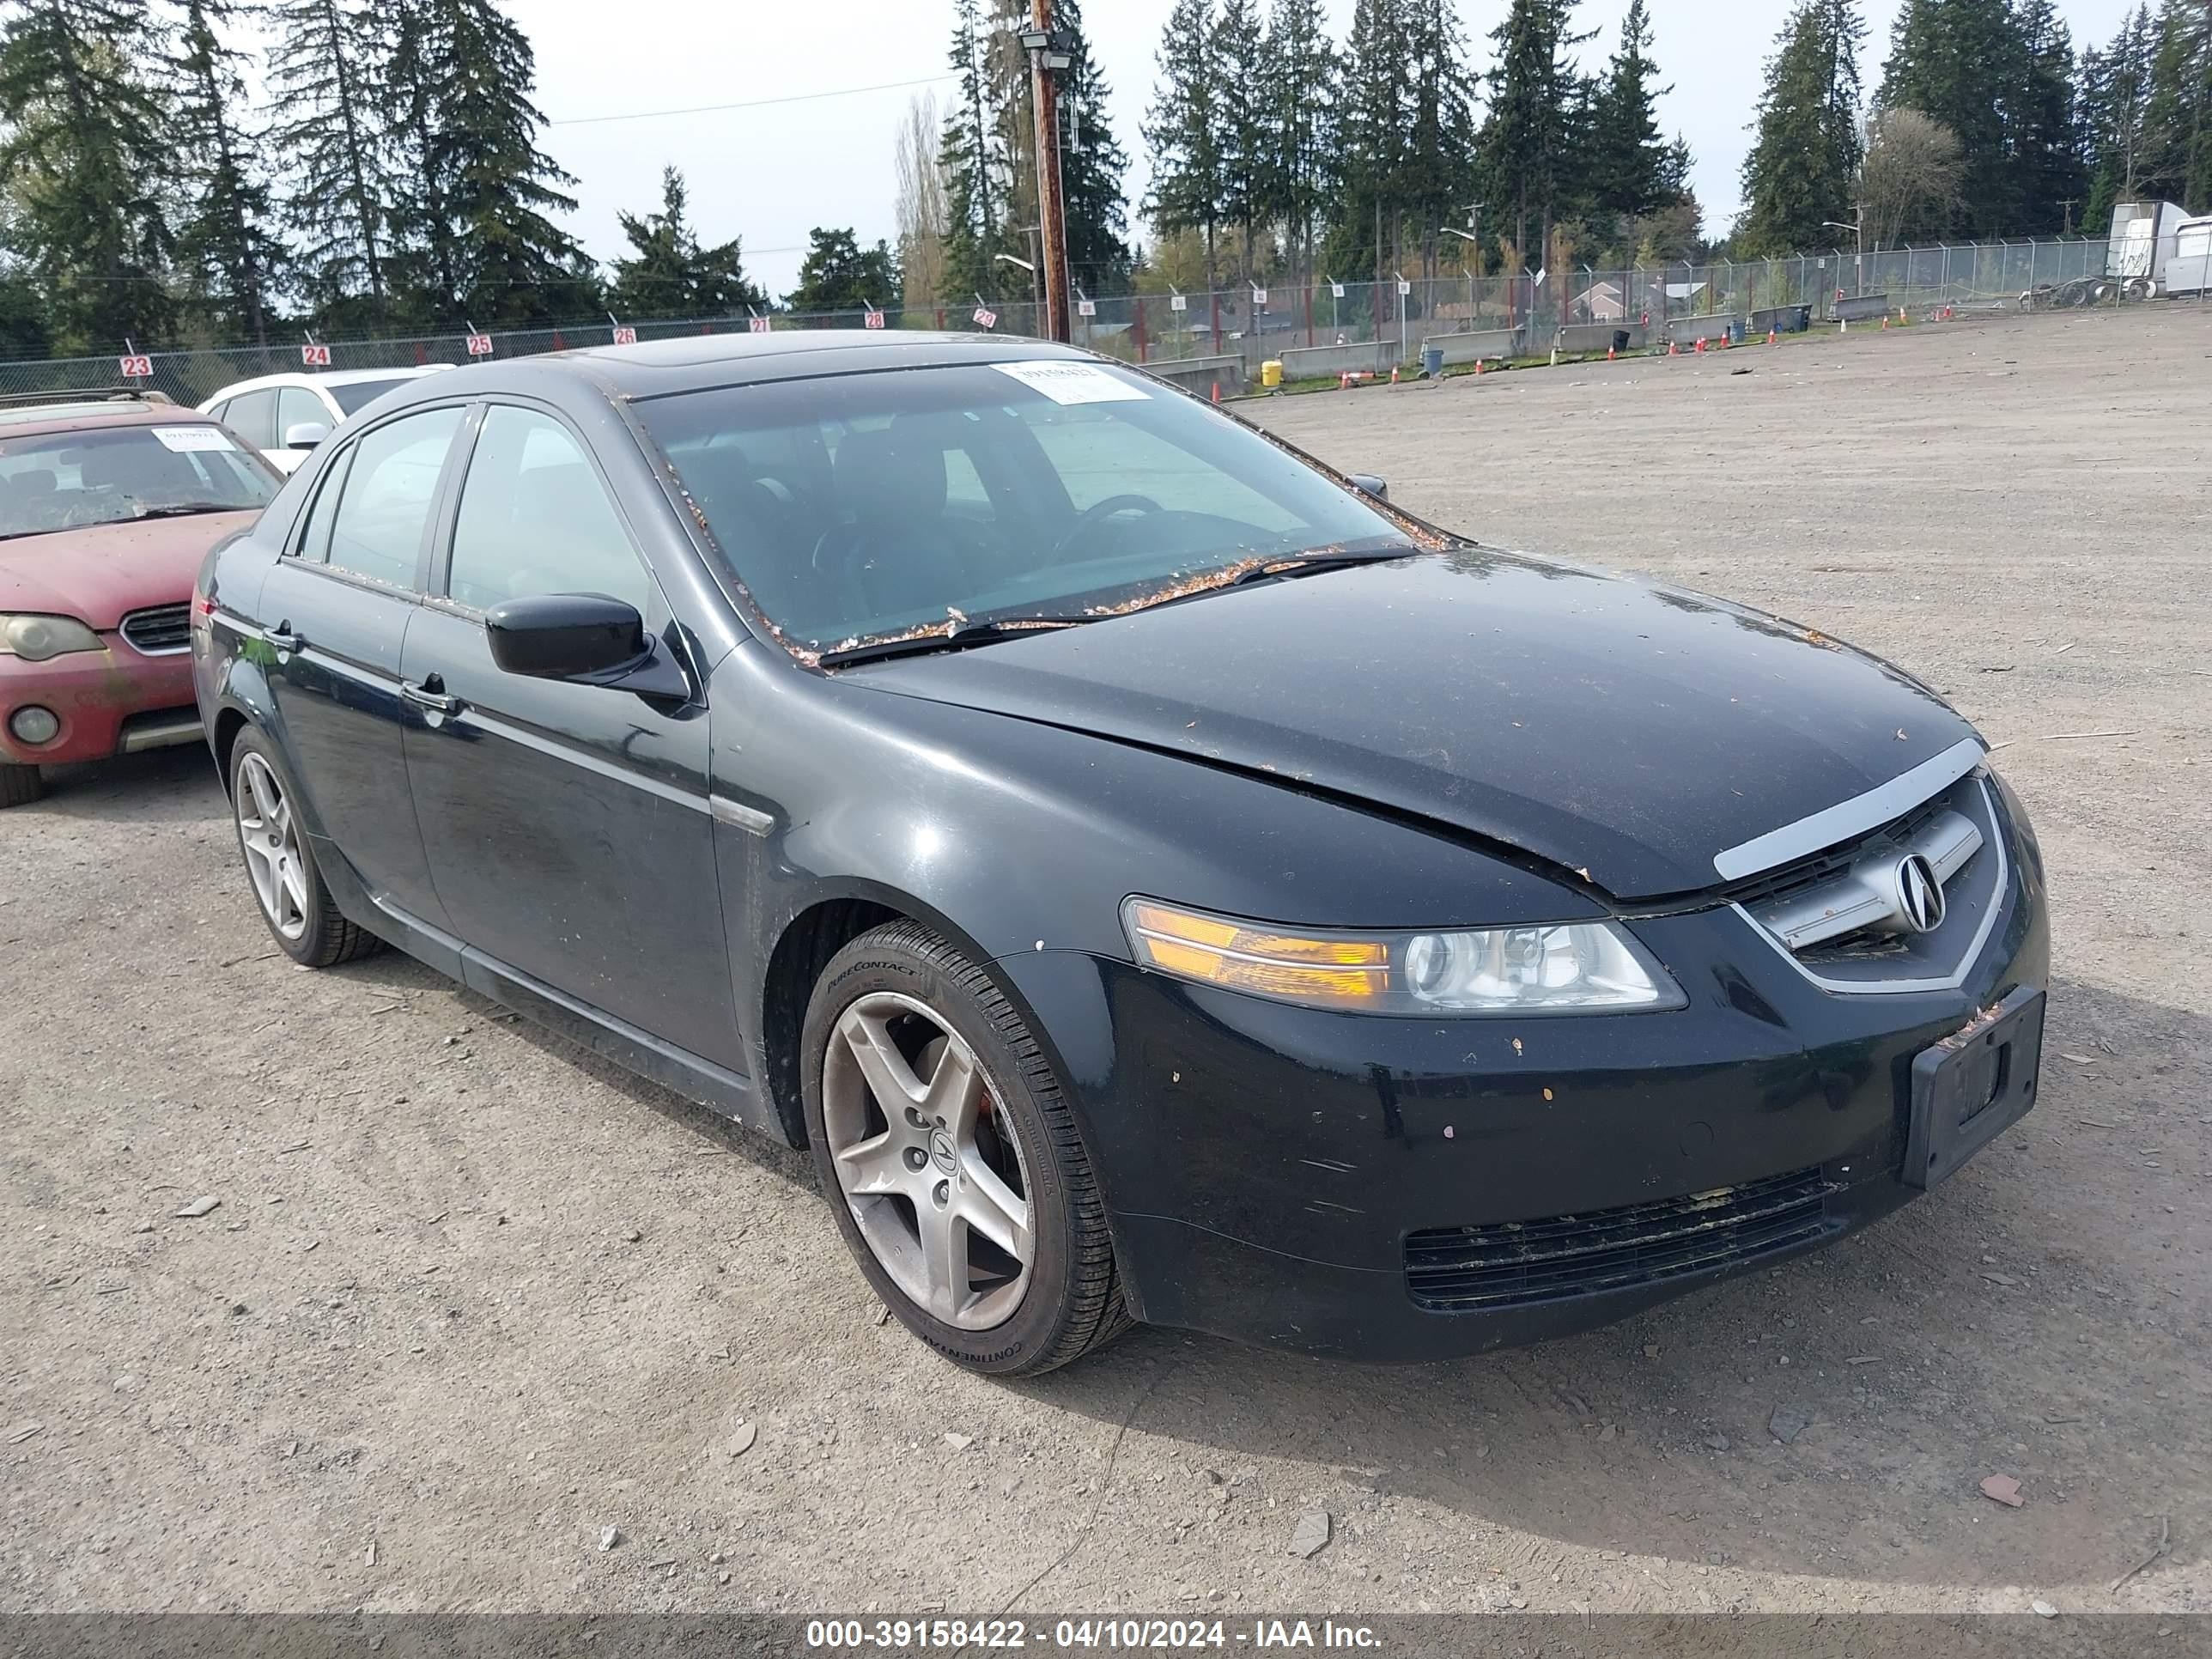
[423, 697]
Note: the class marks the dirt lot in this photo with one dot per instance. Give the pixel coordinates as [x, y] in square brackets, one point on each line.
[471, 1299]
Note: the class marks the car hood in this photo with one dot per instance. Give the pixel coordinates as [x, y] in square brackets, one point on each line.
[1614, 727]
[98, 572]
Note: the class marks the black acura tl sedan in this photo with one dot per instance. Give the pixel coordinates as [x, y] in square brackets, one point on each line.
[1156, 878]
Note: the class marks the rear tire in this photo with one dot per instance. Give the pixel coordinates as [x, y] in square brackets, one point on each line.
[904, 1175]
[279, 856]
[20, 785]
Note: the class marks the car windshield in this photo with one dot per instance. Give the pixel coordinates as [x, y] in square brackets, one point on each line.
[860, 506]
[353, 396]
[64, 480]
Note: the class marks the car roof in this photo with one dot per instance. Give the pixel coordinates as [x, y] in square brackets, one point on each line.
[93, 415]
[656, 368]
[327, 377]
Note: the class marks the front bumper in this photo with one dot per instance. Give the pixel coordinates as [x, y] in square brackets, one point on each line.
[1265, 1165]
[110, 702]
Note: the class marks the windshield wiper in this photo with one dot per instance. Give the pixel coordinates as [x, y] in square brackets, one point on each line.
[184, 510]
[1305, 564]
[984, 631]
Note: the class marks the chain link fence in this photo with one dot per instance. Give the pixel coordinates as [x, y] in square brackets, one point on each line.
[1323, 328]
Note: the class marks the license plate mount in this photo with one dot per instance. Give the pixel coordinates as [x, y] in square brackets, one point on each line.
[1973, 1086]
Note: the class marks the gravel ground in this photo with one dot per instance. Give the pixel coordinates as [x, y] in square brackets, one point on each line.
[471, 1299]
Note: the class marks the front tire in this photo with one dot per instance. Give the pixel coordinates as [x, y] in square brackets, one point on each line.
[20, 785]
[948, 1153]
[280, 861]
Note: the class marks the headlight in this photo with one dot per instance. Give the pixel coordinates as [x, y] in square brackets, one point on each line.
[1553, 966]
[34, 639]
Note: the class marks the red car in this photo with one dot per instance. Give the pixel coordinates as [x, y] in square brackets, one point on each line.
[108, 504]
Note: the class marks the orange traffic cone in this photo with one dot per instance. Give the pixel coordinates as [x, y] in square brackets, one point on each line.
[1217, 391]
[1673, 348]
[1478, 365]
[1608, 354]
[1773, 337]
[1393, 374]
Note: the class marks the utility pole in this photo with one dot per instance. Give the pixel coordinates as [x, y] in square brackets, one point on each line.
[1047, 58]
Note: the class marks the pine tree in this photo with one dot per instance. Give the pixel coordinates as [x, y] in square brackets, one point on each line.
[1092, 164]
[1247, 121]
[227, 240]
[1440, 141]
[2177, 125]
[327, 87]
[671, 274]
[1374, 114]
[1630, 167]
[972, 160]
[2115, 96]
[83, 153]
[479, 192]
[1529, 133]
[1957, 62]
[1801, 164]
[1303, 87]
[839, 275]
[2047, 140]
[1184, 130]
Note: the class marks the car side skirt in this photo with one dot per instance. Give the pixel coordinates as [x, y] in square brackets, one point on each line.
[721, 1092]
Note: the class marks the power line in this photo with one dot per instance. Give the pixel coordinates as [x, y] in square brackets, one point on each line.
[750, 103]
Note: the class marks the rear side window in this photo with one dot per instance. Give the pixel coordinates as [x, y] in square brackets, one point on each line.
[385, 503]
[253, 415]
[297, 406]
[315, 541]
[535, 519]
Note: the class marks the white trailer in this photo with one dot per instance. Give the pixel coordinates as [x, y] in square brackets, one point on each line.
[2143, 234]
[2189, 268]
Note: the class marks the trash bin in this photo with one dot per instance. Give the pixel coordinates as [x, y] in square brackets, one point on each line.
[1432, 362]
[1620, 339]
[1270, 373]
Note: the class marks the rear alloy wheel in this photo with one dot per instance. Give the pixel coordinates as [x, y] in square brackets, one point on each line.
[280, 865]
[945, 1144]
[20, 785]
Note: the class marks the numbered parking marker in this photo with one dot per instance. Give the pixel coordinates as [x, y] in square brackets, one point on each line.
[480, 345]
[625, 335]
[315, 357]
[139, 367]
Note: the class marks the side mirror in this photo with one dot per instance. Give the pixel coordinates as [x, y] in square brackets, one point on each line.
[1368, 484]
[565, 637]
[305, 435]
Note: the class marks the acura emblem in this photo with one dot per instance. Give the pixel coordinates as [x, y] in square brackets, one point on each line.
[1919, 894]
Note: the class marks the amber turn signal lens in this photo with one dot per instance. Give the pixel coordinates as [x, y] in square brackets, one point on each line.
[1341, 972]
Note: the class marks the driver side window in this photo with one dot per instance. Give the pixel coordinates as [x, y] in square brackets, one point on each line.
[535, 519]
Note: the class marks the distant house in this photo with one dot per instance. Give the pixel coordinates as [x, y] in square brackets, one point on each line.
[1601, 302]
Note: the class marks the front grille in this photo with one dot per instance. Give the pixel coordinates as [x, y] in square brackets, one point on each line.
[1517, 1263]
[1765, 888]
[160, 630]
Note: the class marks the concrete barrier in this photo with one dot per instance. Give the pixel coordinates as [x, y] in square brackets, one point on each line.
[1688, 330]
[1598, 337]
[1488, 343]
[1861, 308]
[1201, 375]
[1327, 362]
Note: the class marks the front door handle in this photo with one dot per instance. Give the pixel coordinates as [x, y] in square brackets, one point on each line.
[283, 638]
[430, 695]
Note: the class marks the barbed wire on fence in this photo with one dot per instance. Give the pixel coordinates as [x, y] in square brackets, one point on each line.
[1323, 327]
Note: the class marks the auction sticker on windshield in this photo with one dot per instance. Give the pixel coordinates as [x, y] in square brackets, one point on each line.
[186, 439]
[1074, 383]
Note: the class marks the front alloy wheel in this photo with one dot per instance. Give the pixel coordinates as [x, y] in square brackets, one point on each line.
[945, 1142]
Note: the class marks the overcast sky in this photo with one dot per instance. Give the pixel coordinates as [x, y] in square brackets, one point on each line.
[770, 172]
